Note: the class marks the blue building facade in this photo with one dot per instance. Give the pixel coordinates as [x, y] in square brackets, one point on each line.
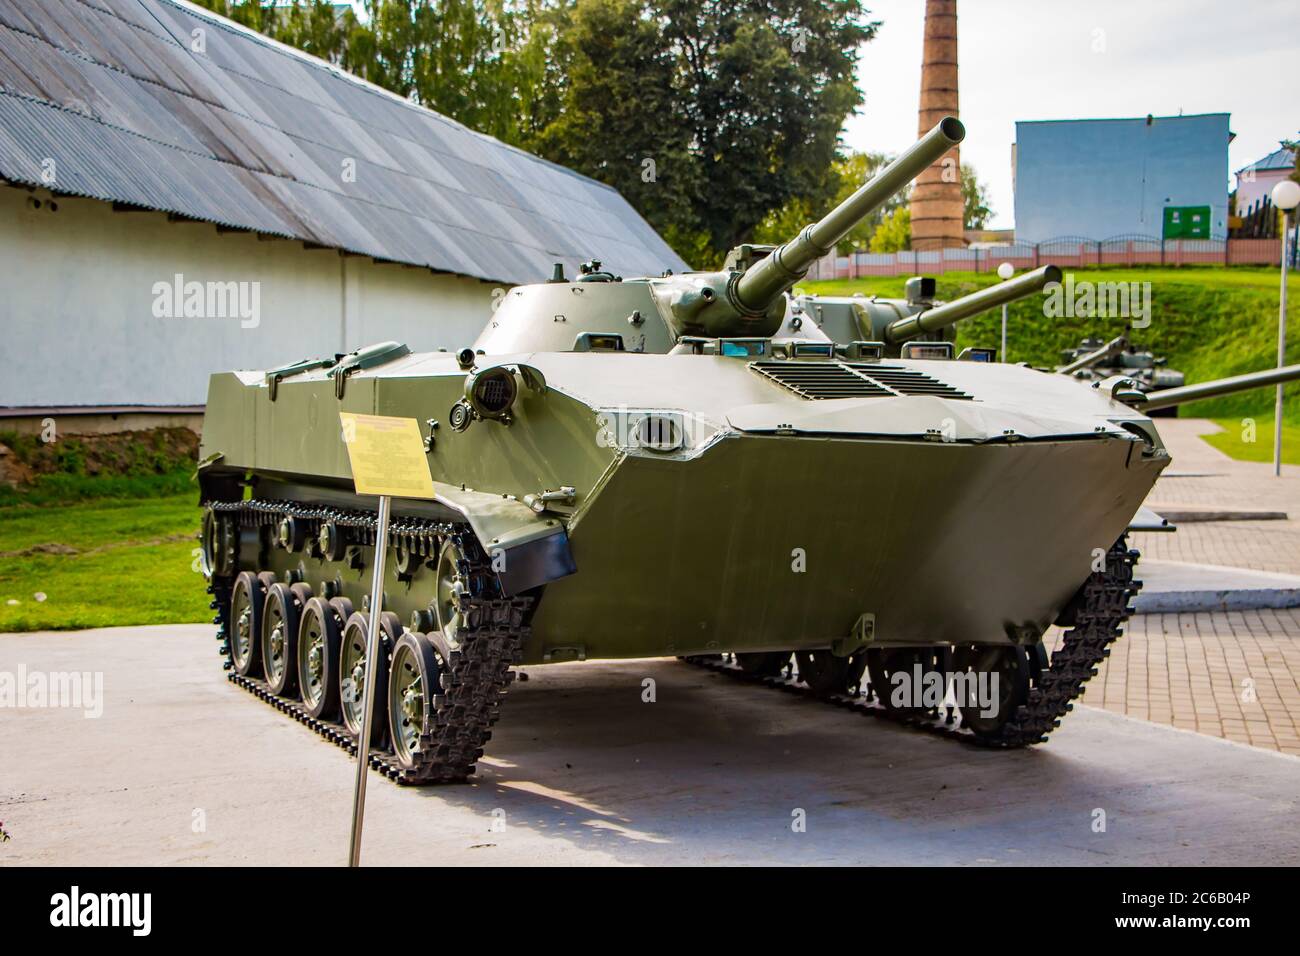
[1102, 179]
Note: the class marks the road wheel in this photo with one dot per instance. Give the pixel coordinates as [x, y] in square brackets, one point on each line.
[247, 600]
[220, 545]
[319, 638]
[281, 620]
[353, 669]
[763, 663]
[883, 663]
[1036, 658]
[451, 582]
[1001, 676]
[825, 674]
[415, 692]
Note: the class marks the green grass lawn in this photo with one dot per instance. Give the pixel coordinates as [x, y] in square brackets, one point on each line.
[101, 563]
[1232, 440]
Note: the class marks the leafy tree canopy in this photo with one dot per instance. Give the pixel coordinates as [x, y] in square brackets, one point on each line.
[975, 196]
[895, 233]
[846, 175]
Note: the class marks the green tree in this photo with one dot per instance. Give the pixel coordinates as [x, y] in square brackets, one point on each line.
[458, 57]
[975, 196]
[617, 116]
[319, 28]
[847, 174]
[471, 60]
[1294, 146]
[735, 104]
[314, 26]
[895, 233]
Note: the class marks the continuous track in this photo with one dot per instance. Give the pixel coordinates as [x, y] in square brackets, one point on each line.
[496, 627]
[1097, 615]
[478, 669]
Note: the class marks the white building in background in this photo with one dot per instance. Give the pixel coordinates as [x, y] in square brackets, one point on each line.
[1256, 181]
[189, 196]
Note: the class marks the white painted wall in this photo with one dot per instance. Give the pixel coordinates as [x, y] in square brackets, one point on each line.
[77, 323]
[1251, 189]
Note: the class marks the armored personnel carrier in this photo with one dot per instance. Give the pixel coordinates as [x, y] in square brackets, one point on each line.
[1094, 360]
[1091, 353]
[614, 464]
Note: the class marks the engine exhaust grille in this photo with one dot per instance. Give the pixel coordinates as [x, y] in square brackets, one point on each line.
[814, 380]
[908, 381]
[822, 380]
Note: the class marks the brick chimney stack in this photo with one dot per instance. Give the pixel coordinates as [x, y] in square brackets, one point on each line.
[937, 208]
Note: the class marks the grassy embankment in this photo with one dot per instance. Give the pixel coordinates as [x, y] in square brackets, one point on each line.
[1209, 322]
[100, 536]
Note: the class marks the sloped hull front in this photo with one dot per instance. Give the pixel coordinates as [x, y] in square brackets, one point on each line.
[778, 542]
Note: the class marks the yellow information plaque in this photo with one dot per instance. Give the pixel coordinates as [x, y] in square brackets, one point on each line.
[387, 456]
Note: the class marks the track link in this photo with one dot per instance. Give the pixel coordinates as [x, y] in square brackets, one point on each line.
[1097, 614]
[478, 673]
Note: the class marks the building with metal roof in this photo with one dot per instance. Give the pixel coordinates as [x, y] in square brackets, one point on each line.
[320, 186]
[1255, 182]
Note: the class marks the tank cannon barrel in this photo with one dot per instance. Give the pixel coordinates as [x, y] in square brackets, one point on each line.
[1222, 386]
[757, 288]
[1112, 348]
[941, 316]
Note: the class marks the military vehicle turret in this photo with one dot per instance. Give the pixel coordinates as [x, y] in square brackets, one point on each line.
[746, 300]
[613, 464]
[895, 323]
[1092, 361]
[1091, 353]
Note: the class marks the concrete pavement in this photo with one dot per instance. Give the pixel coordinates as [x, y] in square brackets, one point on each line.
[1174, 586]
[184, 768]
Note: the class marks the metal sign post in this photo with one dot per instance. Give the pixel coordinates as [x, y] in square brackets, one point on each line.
[372, 656]
[388, 460]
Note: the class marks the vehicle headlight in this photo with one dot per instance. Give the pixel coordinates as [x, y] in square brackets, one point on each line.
[492, 392]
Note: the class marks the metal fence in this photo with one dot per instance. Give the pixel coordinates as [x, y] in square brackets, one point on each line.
[1067, 252]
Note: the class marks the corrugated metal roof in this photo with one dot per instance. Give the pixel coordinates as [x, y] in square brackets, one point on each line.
[1280, 158]
[253, 135]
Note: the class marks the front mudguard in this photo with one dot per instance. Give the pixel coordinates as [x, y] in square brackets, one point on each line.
[526, 549]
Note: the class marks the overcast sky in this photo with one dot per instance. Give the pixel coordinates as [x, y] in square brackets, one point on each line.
[1035, 59]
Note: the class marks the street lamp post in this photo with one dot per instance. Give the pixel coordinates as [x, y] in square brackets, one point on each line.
[1286, 196]
[1005, 272]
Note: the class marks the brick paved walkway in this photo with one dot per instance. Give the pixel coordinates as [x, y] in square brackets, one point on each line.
[1231, 674]
[1234, 674]
[1260, 545]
